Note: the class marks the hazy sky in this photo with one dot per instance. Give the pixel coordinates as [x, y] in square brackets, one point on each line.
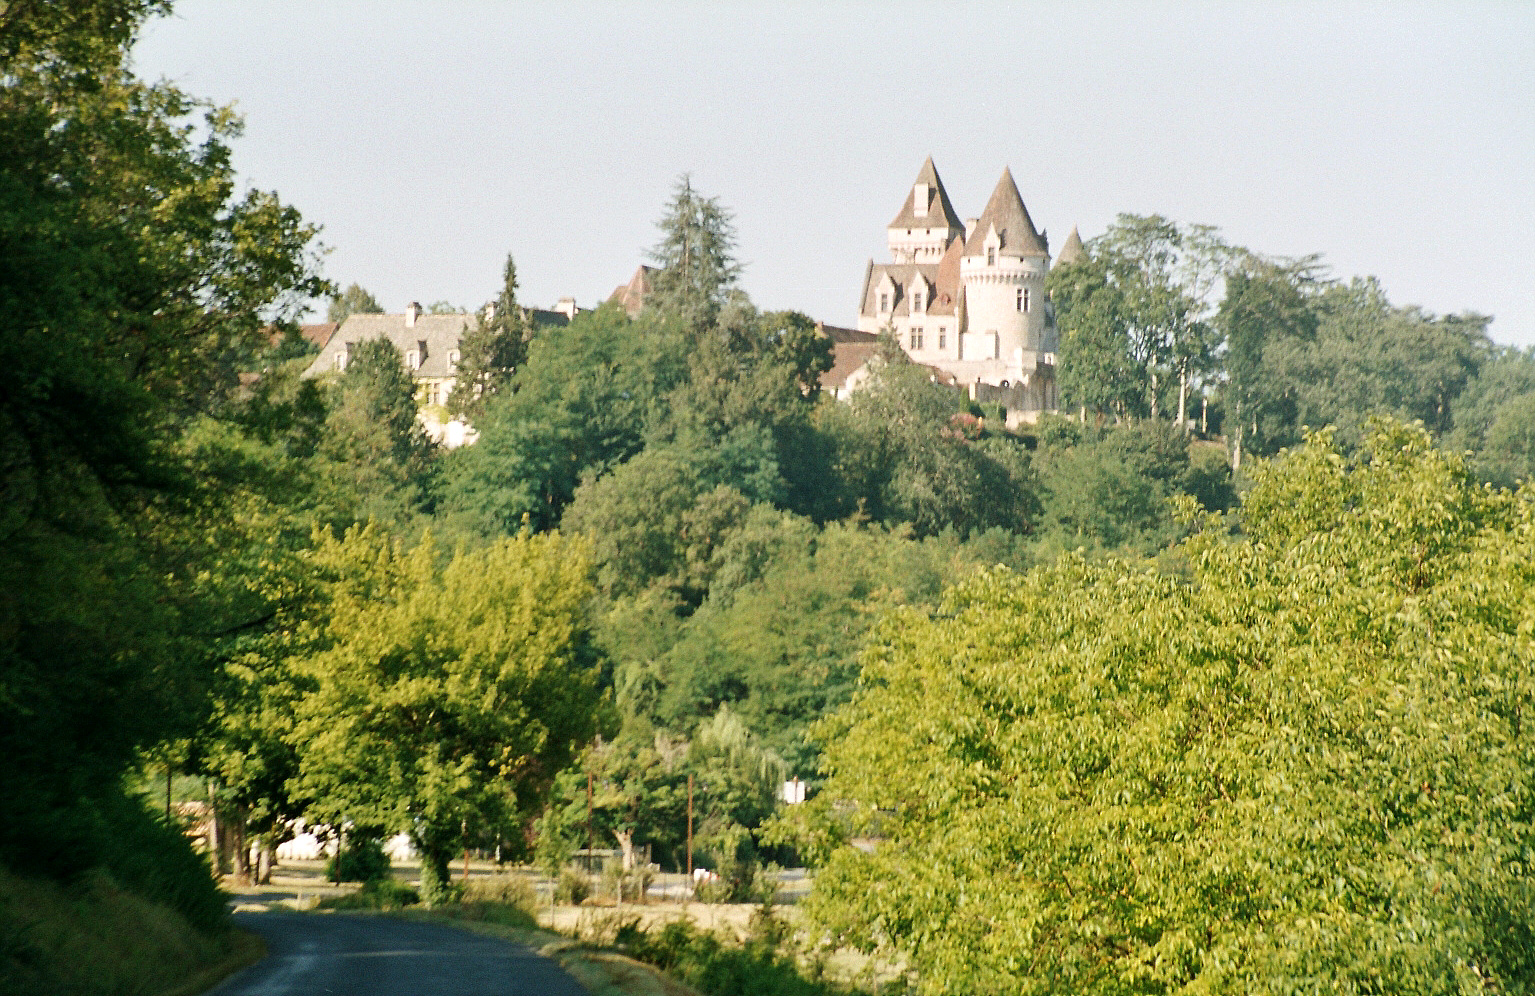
[431, 139]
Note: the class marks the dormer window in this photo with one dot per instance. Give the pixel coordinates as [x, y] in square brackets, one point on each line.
[452, 359]
[916, 302]
[884, 302]
[412, 360]
[991, 256]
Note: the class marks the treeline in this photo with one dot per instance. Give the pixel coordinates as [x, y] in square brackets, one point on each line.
[1164, 319]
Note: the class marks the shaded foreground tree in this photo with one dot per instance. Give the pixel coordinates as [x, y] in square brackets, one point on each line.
[134, 275]
[447, 697]
[491, 350]
[1299, 766]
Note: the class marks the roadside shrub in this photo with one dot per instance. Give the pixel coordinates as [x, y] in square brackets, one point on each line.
[718, 967]
[362, 860]
[572, 887]
[379, 894]
[505, 890]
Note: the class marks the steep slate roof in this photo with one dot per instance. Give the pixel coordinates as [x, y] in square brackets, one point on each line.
[632, 294]
[1006, 212]
[940, 212]
[441, 333]
[1072, 250]
[901, 274]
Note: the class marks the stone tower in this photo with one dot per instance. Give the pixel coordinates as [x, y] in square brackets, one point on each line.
[1003, 268]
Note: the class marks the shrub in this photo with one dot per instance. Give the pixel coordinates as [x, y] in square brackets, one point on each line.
[505, 890]
[717, 967]
[362, 860]
[572, 887]
[379, 894]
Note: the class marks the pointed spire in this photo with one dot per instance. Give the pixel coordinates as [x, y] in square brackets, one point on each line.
[1006, 212]
[939, 214]
[1073, 249]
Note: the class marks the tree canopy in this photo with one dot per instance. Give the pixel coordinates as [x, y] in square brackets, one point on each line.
[1295, 763]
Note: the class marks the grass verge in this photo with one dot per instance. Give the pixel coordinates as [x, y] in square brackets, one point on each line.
[92, 937]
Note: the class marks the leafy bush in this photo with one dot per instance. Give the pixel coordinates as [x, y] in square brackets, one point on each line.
[362, 860]
[717, 967]
[379, 894]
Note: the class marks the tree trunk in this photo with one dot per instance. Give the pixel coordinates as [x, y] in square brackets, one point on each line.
[242, 851]
[435, 885]
[215, 838]
[626, 843]
[1236, 440]
[265, 859]
[1155, 407]
[1183, 398]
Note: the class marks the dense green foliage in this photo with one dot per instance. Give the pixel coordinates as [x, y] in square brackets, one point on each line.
[136, 278]
[1296, 764]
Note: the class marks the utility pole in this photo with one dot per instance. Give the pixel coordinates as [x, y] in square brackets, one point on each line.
[588, 822]
[690, 831]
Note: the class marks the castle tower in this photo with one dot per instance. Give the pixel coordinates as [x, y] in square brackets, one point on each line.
[1072, 250]
[1003, 270]
[926, 223]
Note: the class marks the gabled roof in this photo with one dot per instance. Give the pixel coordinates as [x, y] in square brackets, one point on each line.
[1005, 212]
[441, 333]
[940, 213]
[1072, 250]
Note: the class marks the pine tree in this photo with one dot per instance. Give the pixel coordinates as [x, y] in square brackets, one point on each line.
[490, 351]
[696, 257]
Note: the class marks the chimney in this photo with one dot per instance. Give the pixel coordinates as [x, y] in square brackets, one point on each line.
[919, 200]
[490, 312]
[412, 312]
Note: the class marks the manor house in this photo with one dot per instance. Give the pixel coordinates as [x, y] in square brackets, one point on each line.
[968, 298]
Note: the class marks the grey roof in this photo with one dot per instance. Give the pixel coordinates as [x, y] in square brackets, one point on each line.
[940, 213]
[1006, 213]
[440, 333]
[901, 275]
[1072, 250]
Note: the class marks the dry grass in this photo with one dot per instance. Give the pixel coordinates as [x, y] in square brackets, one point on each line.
[93, 938]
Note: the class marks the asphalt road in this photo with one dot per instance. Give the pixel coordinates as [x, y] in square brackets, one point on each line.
[340, 955]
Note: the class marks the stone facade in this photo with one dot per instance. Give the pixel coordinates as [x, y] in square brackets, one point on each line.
[969, 298]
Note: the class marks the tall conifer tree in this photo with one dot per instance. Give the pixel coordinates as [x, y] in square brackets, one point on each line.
[491, 351]
[696, 257]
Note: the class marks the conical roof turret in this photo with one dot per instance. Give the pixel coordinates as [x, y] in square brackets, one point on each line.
[1005, 212]
[1072, 250]
[936, 212]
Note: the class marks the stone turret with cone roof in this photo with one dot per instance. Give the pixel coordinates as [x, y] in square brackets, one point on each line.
[1072, 250]
[969, 304]
[926, 223]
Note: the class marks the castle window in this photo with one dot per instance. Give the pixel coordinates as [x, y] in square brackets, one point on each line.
[340, 361]
[916, 338]
[916, 302]
[991, 257]
[413, 360]
[1023, 299]
[884, 302]
[943, 338]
